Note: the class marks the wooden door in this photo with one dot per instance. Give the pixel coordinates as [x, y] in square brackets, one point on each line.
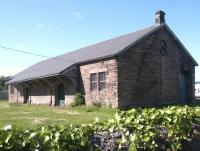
[26, 95]
[183, 88]
[61, 95]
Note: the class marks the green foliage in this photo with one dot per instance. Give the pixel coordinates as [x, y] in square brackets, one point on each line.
[153, 128]
[2, 82]
[52, 138]
[97, 104]
[79, 100]
[143, 129]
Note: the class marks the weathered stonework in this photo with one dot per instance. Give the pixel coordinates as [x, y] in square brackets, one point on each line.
[107, 96]
[148, 78]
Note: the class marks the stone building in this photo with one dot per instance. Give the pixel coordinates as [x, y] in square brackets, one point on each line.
[147, 67]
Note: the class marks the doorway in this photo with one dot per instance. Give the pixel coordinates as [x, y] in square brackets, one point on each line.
[61, 95]
[183, 87]
[26, 95]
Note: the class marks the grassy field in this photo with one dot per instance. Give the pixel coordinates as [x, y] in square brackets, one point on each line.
[32, 116]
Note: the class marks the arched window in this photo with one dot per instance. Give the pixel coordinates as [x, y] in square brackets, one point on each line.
[163, 46]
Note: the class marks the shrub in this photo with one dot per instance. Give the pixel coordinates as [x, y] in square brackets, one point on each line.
[79, 99]
[52, 138]
[96, 104]
[142, 129]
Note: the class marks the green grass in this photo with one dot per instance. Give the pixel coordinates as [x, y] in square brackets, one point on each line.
[33, 116]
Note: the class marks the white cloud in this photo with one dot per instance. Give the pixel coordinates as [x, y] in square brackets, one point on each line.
[78, 15]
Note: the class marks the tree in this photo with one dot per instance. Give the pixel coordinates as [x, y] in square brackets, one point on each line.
[3, 80]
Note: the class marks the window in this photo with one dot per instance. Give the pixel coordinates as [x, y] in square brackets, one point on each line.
[97, 80]
[163, 46]
[102, 78]
[93, 81]
[11, 89]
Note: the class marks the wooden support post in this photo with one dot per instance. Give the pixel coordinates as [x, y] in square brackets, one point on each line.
[17, 91]
[65, 84]
[30, 93]
[51, 92]
[28, 85]
[17, 95]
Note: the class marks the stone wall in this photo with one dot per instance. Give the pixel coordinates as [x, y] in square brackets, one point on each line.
[147, 78]
[107, 96]
[69, 99]
[17, 96]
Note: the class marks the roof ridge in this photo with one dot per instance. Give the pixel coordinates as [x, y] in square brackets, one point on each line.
[113, 38]
[99, 50]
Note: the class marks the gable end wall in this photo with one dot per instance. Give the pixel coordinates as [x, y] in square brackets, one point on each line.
[147, 78]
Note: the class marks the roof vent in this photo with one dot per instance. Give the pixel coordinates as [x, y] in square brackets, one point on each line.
[160, 17]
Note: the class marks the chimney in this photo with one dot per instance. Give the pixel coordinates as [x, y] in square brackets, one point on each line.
[160, 17]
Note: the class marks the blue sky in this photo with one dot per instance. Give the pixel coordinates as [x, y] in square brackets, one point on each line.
[53, 27]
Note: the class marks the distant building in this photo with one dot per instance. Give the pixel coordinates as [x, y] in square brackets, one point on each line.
[197, 90]
[146, 67]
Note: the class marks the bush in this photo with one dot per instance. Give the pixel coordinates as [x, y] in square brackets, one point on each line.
[143, 129]
[96, 104]
[53, 138]
[79, 100]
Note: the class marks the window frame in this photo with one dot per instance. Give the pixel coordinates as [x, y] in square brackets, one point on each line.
[102, 81]
[93, 83]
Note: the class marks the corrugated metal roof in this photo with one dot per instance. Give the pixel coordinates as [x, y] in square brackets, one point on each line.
[103, 49]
